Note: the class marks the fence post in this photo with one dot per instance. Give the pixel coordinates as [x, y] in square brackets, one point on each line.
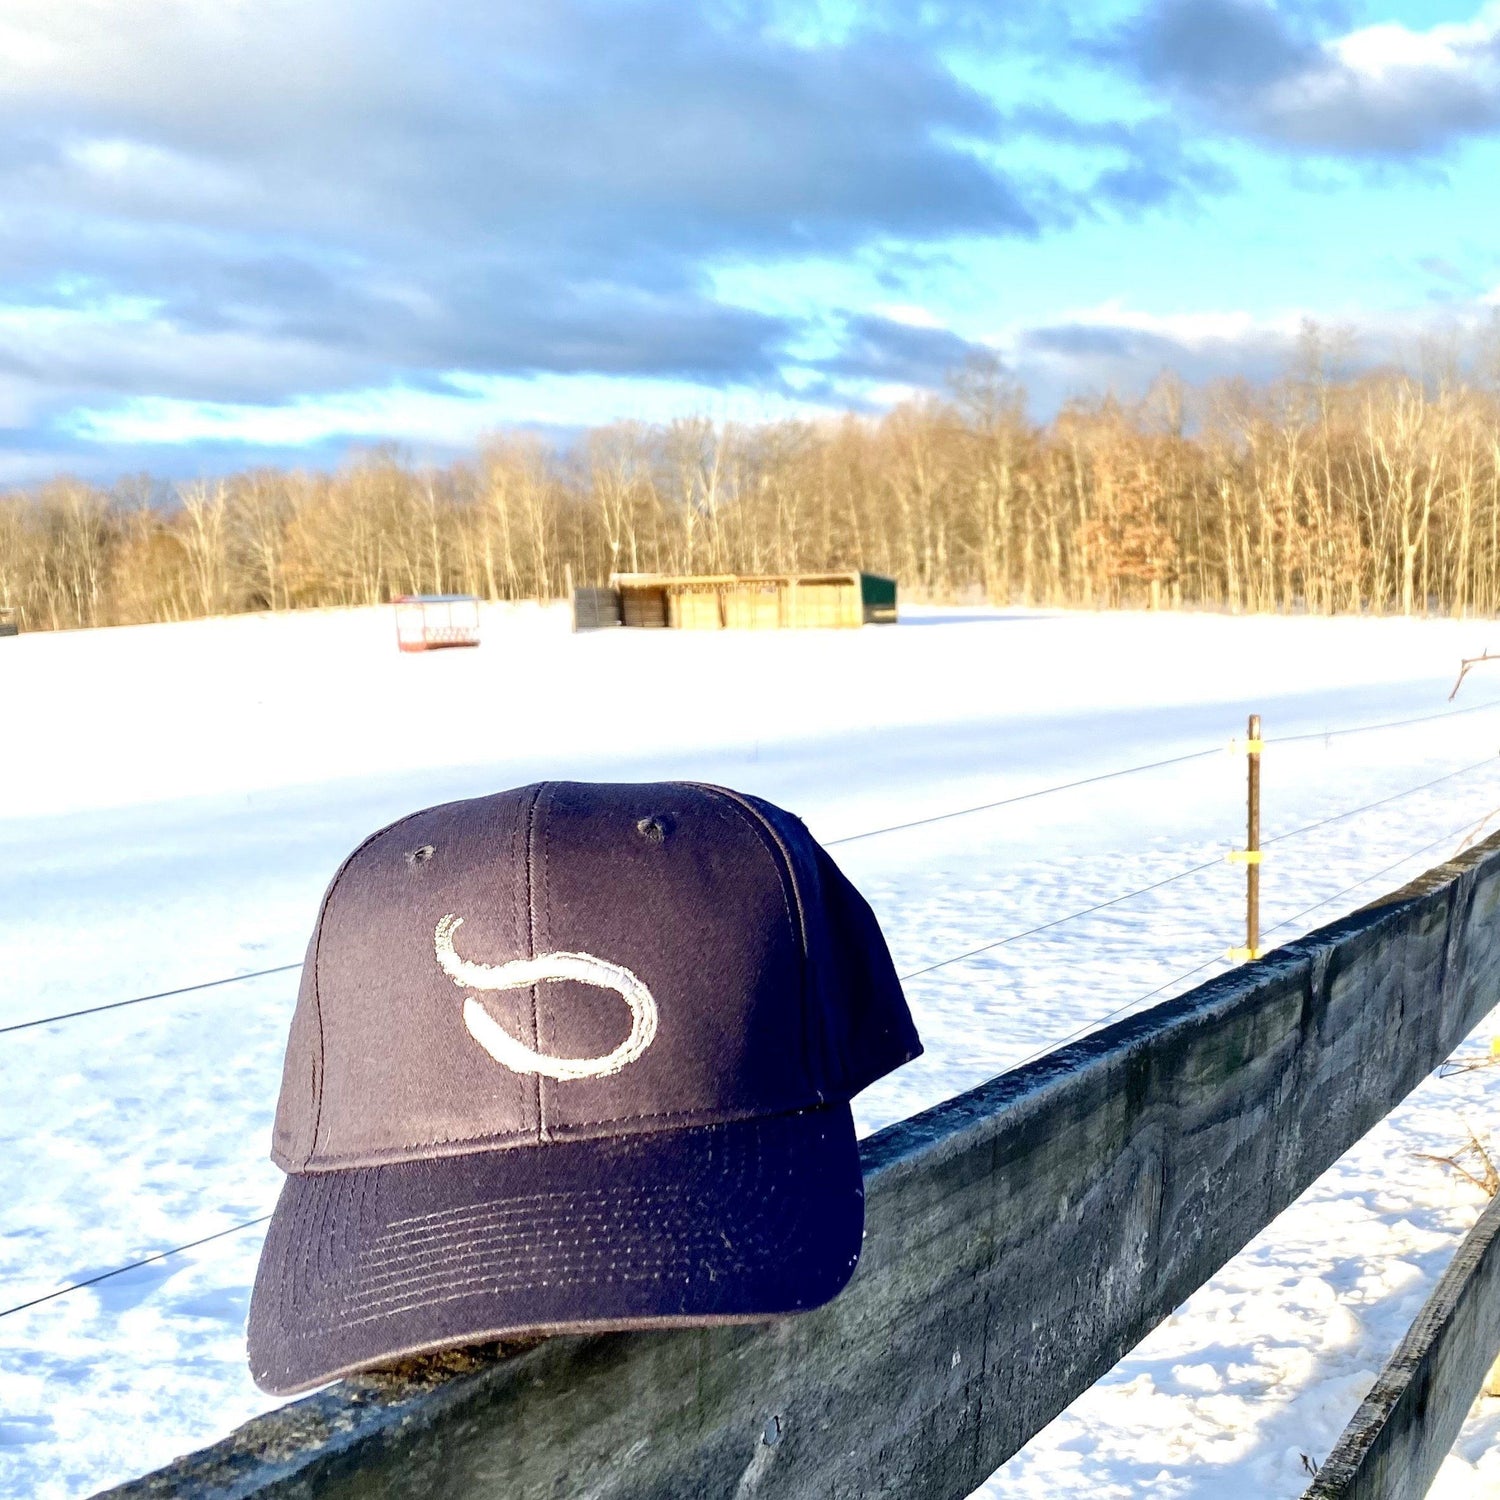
[1249, 856]
[1252, 843]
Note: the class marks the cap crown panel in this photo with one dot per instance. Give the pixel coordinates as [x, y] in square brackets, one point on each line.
[701, 912]
[401, 1071]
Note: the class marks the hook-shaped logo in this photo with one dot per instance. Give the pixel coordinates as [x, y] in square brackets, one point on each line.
[521, 973]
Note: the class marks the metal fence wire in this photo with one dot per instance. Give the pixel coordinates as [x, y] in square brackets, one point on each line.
[1092, 1025]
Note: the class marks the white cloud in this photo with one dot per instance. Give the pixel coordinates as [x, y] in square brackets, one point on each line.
[908, 314]
[242, 210]
[1382, 51]
[1386, 89]
[1395, 87]
[453, 419]
[111, 168]
[115, 343]
[1108, 346]
[1188, 328]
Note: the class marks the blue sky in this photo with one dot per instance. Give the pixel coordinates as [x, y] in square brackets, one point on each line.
[234, 233]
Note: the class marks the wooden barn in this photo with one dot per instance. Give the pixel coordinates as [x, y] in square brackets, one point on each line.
[770, 601]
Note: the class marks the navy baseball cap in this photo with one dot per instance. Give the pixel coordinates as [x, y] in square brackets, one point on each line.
[570, 1058]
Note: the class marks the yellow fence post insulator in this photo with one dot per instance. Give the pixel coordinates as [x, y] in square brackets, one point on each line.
[1244, 856]
[1243, 955]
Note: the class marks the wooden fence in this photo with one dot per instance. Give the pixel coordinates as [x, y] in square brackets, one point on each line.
[1404, 1428]
[1021, 1238]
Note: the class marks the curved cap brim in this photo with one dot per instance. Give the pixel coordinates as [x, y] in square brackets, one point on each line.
[710, 1223]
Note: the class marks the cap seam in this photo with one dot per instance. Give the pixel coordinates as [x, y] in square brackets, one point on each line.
[333, 886]
[786, 871]
[524, 1137]
[720, 1116]
[536, 875]
[779, 858]
[531, 894]
[519, 892]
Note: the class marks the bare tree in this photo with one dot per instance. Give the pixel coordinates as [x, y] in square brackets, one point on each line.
[1321, 491]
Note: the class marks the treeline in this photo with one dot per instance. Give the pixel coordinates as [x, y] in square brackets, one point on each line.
[1378, 493]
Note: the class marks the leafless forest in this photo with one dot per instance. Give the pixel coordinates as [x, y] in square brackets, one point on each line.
[1377, 493]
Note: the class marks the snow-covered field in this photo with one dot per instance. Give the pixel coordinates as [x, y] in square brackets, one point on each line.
[173, 799]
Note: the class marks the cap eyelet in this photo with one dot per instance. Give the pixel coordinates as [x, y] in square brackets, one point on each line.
[421, 856]
[653, 829]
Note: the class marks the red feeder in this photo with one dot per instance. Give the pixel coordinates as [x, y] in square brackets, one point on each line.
[426, 622]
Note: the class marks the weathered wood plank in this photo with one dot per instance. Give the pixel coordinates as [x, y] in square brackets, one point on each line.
[1021, 1238]
[1397, 1440]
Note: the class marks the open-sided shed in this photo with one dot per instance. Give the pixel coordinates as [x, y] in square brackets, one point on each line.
[729, 601]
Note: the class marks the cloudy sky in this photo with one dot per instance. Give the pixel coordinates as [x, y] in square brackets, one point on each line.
[236, 232]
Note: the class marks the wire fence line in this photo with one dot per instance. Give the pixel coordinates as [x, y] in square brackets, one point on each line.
[1072, 916]
[1051, 1046]
[1331, 734]
[1198, 869]
[1155, 765]
[1411, 791]
[186, 989]
[831, 843]
[916, 973]
[1462, 828]
[963, 812]
[135, 1265]
[1219, 957]
[1044, 791]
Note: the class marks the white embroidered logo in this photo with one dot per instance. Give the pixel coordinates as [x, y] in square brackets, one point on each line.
[520, 973]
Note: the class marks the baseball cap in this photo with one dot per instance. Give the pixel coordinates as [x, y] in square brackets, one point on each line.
[568, 1058]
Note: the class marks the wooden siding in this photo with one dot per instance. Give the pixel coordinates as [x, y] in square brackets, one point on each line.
[644, 608]
[755, 603]
[596, 609]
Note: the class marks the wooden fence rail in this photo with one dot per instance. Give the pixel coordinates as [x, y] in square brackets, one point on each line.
[1021, 1238]
[1397, 1440]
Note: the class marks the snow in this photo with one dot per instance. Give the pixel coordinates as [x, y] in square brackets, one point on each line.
[174, 798]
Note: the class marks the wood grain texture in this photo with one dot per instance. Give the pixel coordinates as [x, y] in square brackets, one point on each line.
[1021, 1238]
[1397, 1440]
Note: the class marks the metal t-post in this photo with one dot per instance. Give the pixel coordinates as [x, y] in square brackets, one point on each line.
[1252, 841]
